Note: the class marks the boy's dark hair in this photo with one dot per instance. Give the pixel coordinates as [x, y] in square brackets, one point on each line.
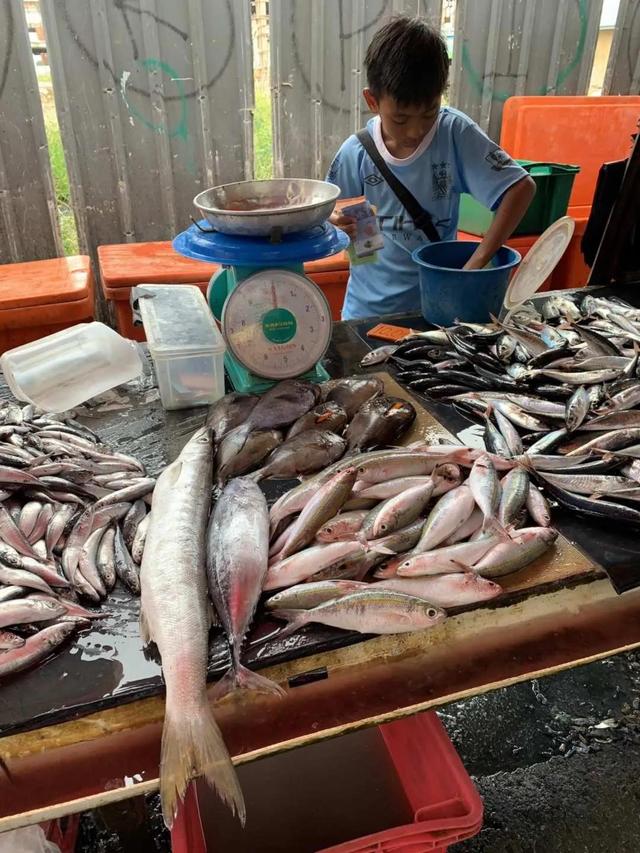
[407, 60]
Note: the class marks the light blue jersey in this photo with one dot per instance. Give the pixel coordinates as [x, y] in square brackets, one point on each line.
[456, 157]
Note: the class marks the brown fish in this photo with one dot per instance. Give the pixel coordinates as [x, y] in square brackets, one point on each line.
[379, 422]
[353, 392]
[238, 454]
[305, 453]
[328, 416]
[229, 412]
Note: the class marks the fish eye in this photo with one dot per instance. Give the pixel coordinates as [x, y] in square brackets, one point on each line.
[328, 529]
[432, 613]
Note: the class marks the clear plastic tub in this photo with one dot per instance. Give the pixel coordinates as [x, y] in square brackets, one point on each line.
[184, 342]
[65, 369]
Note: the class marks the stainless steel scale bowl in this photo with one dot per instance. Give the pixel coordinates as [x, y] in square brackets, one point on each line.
[262, 208]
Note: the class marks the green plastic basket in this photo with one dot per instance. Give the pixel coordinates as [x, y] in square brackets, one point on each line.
[554, 182]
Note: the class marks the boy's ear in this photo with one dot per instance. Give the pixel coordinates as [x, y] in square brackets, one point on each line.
[372, 101]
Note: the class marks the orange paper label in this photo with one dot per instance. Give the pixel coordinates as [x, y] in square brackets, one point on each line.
[386, 332]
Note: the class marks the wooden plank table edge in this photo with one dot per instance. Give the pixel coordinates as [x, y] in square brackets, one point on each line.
[469, 657]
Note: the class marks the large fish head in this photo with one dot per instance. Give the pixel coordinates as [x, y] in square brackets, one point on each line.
[200, 440]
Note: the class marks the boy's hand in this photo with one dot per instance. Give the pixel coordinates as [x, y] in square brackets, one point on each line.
[512, 208]
[477, 261]
[345, 223]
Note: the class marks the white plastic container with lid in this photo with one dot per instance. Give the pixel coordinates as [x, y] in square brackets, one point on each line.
[184, 342]
[65, 369]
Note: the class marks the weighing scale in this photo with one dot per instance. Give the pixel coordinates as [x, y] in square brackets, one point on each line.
[275, 321]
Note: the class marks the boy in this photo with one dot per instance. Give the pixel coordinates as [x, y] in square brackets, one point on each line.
[436, 152]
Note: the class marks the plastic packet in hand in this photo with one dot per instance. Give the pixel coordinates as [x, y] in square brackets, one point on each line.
[368, 239]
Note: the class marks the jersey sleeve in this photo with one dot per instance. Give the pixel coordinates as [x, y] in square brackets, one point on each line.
[344, 171]
[486, 170]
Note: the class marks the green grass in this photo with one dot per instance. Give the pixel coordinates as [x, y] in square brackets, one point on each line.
[61, 184]
[262, 136]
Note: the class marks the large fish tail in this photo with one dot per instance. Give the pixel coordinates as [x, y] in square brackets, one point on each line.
[238, 677]
[192, 746]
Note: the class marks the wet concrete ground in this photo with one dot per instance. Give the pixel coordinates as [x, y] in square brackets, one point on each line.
[557, 762]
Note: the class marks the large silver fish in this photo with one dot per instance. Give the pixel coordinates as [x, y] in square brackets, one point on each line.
[175, 614]
[237, 562]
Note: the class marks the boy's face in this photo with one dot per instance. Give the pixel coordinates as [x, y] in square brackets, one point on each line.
[404, 126]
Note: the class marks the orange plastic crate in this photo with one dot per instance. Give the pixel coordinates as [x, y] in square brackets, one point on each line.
[38, 298]
[577, 129]
[124, 265]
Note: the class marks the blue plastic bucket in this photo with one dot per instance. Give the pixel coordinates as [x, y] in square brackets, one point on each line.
[449, 293]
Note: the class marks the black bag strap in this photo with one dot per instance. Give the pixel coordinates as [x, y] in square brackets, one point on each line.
[421, 217]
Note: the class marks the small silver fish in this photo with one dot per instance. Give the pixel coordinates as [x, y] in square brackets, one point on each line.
[515, 487]
[379, 355]
[577, 407]
[448, 590]
[306, 595]
[524, 548]
[485, 488]
[35, 648]
[372, 611]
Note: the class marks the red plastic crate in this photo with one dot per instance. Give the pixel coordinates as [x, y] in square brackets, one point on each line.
[447, 807]
[187, 835]
[63, 832]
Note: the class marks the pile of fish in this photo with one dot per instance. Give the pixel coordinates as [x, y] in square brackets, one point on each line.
[560, 385]
[297, 428]
[437, 523]
[73, 518]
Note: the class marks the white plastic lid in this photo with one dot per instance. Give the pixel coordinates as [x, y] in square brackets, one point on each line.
[177, 320]
[539, 262]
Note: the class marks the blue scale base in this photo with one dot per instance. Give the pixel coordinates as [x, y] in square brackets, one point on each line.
[245, 255]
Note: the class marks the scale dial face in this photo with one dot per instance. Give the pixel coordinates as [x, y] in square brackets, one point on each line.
[277, 323]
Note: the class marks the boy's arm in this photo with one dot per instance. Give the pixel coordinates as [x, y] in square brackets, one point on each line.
[512, 208]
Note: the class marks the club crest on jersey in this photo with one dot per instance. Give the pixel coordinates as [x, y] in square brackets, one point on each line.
[441, 180]
[498, 159]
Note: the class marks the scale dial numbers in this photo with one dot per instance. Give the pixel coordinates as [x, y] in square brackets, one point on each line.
[277, 323]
